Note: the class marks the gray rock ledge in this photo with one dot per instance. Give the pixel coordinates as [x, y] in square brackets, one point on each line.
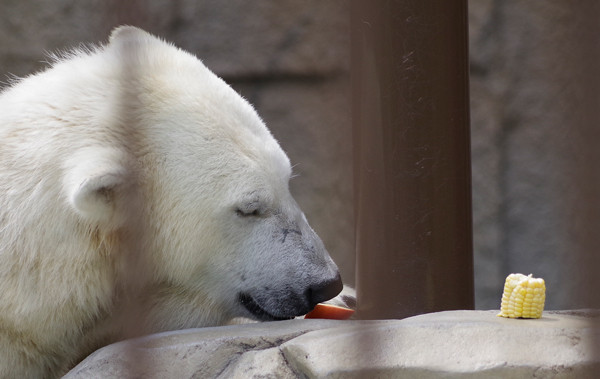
[452, 344]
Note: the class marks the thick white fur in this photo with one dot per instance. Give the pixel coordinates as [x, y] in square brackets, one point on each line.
[138, 193]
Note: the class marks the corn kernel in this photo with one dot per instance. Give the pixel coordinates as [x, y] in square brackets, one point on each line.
[523, 297]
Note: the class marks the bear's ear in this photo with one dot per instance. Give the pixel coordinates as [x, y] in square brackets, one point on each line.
[97, 183]
[129, 33]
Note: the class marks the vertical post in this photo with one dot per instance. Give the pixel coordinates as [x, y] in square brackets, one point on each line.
[411, 157]
[583, 108]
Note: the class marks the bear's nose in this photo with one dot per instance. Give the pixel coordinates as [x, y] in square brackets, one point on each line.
[324, 290]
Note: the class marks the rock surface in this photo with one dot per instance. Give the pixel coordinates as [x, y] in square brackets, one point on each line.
[562, 344]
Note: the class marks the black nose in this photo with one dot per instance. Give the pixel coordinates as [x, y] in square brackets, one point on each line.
[324, 291]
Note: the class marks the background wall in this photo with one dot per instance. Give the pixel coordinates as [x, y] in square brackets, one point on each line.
[534, 112]
[535, 128]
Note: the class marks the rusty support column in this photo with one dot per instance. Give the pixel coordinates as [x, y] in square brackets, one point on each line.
[411, 157]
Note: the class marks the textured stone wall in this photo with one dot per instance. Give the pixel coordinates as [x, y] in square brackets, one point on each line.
[535, 123]
[534, 177]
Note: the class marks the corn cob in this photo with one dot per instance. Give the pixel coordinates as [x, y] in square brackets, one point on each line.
[523, 297]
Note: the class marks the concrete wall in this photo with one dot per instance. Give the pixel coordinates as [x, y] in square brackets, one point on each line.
[535, 126]
[534, 180]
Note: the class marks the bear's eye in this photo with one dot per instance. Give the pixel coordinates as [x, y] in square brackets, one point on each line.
[247, 213]
[252, 209]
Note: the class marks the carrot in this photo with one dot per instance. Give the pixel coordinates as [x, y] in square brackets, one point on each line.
[330, 311]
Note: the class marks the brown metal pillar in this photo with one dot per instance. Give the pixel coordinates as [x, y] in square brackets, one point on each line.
[412, 157]
[582, 101]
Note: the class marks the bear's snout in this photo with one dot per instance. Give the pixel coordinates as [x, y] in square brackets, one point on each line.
[274, 304]
[323, 291]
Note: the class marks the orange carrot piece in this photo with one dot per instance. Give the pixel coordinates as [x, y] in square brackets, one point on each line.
[330, 311]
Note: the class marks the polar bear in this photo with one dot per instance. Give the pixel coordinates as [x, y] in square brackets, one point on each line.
[139, 193]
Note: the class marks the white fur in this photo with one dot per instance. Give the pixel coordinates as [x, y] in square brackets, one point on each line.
[140, 193]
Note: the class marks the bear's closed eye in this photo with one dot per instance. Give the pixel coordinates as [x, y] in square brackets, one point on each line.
[247, 213]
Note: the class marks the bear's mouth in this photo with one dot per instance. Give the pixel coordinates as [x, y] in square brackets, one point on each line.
[257, 311]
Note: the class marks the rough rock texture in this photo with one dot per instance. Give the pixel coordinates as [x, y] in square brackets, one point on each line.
[203, 353]
[453, 344]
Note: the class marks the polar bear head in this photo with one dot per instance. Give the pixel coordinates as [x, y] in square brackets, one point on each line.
[179, 157]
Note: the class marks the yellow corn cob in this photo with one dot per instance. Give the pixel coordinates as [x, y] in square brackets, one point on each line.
[523, 297]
